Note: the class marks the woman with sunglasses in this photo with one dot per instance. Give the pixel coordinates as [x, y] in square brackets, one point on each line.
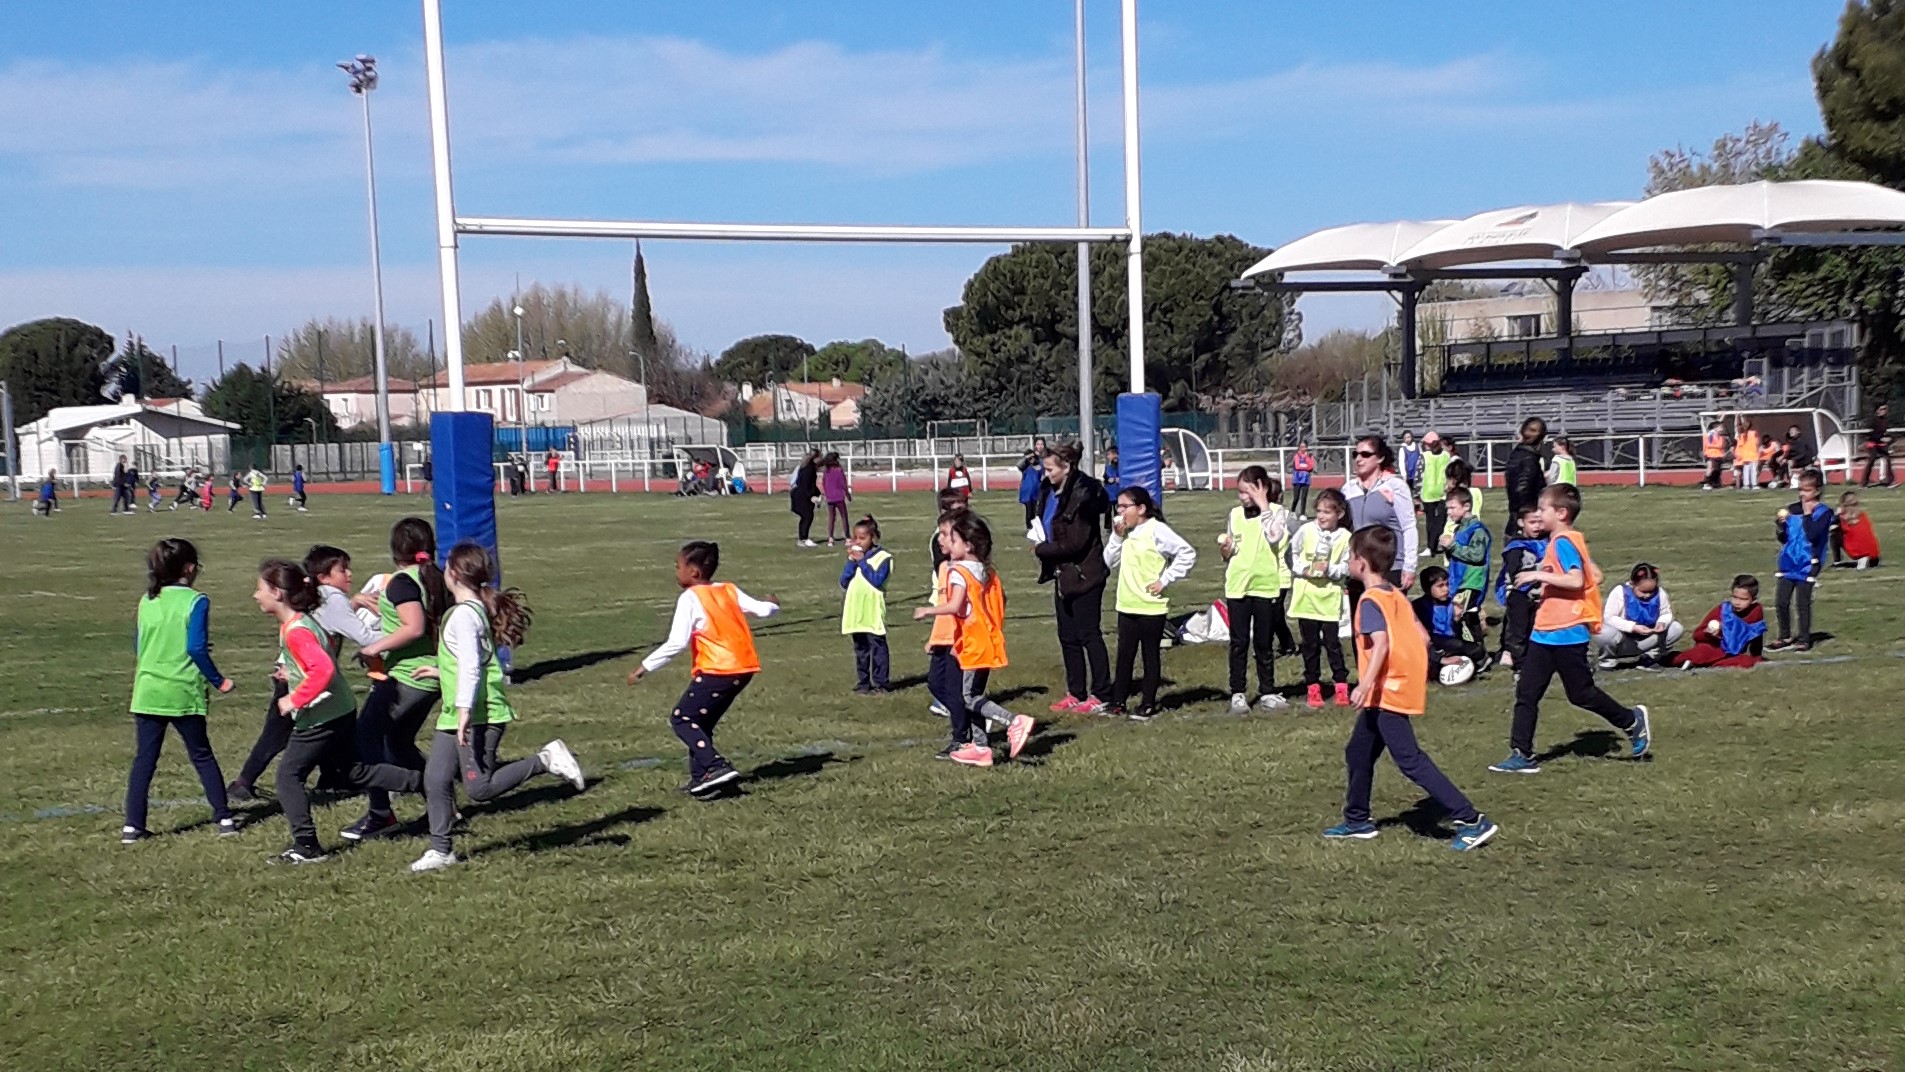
[1379, 496]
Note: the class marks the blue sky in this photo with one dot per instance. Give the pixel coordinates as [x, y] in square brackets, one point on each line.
[194, 171]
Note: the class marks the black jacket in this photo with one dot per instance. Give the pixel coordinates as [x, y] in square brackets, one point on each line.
[1526, 477]
[1073, 553]
[805, 486]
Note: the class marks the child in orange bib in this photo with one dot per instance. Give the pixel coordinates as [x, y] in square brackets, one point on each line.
[1565, 624]
[1392, 671]
[968, 642]
[711, 619]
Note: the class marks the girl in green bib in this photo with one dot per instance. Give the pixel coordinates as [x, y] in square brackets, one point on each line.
[476, 712]
[172, 681]
[863, 609]
[319, 703]
[1255, 543]
[1149, 557]
[409, 605]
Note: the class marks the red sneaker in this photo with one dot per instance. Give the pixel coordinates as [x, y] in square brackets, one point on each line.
[1342, 695]
[1069, 705]
[1315, 696]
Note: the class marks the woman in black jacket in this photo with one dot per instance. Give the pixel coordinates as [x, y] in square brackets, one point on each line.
[802, 493]
[1072, 507]
[1526, 473]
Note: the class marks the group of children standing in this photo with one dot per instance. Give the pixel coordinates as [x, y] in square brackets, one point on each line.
[423, 633]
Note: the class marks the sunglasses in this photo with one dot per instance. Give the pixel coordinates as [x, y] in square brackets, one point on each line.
[1368, 454]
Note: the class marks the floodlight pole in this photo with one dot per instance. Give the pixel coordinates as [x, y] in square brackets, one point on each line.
[446, 204]
[1133, 190]
[363, 75]
[1085, 379]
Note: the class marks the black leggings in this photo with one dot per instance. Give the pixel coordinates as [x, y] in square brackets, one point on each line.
[1787, 591]
[145, 761]
[1253, 628]
[1081, 641]
[387, 731]
[272, 737]
[805, 512]
[1321, 638]
[331, 748]
[1540, 667]
[1300, 499]
[1138, 633]
[707, 698]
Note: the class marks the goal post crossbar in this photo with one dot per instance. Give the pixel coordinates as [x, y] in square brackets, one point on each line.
[779, 232]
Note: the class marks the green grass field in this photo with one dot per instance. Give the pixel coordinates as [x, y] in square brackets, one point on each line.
[1129, 897]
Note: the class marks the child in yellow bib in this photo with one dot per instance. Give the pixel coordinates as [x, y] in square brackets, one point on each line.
[1255, 544]
[863, 608]
[1319, 595]
[1149, 557]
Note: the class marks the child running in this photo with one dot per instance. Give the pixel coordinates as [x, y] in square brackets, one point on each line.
[1149, 557]
[155, 493]
[206, 492]
[1803, 530]
[297, 488]
[320, 708]
[1255, 545]
[408, 608]
[477, 711]
[1565, 623]
[48, 503]
[1319, 561]
[711, 619]
[1854, 543]
[172, 682]
[1392, 675]
[1731, 635]
[863, 609]
[330, 567]
[968, 643]
[237, 493]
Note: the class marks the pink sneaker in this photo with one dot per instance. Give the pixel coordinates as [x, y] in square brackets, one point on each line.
[1017, 734]
[1342, 695]
[1315, 696]
[972, 755]
[1067, 706]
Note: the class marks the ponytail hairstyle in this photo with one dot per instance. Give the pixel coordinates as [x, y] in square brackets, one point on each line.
[414, 543]
[171, 561]
[297, 588]
[973, 530]
[871, 526]
[509, 613]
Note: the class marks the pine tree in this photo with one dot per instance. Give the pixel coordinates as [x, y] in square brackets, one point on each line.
[642, 337]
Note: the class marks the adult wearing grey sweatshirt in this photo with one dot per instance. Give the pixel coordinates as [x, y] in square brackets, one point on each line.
[1379, 496]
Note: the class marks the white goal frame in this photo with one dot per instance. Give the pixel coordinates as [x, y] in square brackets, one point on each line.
[449, 225]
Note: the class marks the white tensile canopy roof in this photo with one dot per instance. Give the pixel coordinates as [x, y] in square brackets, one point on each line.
[1743, 215]
[1359, 246]
[1523, 233]
[1746, 213]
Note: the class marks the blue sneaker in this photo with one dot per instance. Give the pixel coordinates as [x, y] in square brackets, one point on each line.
[1516, 763]
[1474, 835]
[1362, 831]
[1642, 735]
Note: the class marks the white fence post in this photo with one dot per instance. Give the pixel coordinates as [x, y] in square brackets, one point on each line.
[613, 487]
[1641, 453]
[893, 471]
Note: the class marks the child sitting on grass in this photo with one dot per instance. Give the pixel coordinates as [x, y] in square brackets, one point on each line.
[1441, 617]
[1637, 622]
[1392, 678]
[1729, 637]
[1854, 544]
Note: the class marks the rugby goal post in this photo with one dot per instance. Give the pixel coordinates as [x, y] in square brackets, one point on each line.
[450, 225]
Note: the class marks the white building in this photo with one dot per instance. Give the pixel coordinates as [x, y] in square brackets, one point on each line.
[158, 435]
[1530, 315]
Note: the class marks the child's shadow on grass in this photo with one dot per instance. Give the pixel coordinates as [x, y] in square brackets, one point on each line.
[794, 767]
[1588, 744]
[523, 675]
[1201, 694]
[1423, 818]
[525, 798]
[593, 832]
[899, 684]
[1005, 696]
[1044, 744]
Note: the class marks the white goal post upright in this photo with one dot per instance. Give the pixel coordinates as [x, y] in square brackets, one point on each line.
[450, 225]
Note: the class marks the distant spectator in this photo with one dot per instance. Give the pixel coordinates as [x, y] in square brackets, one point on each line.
[1878, 445]
[1410, 456]
[802, 493]
[1525, 471]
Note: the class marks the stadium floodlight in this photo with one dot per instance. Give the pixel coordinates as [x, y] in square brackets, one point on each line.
[449, 226]
[363, 78]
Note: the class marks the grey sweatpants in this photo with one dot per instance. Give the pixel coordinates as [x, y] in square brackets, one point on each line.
[986, 715]
[476, 767]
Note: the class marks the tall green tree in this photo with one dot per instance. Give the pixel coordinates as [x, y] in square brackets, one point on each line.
[53, 362]
[266, 405]
[854, 362]
[932, 387]
[1017, 325]
[643, 338]
[157, 378]
[757, 358]
[589, 327]
[1859, 80]
[332, 350]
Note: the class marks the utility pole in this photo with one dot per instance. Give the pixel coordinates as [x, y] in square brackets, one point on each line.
[1085, 384]
[363, 75]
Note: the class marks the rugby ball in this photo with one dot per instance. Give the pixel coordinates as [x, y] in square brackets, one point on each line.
[1458, 672]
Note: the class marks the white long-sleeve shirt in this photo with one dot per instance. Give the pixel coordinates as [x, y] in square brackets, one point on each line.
[1614, 611]
[338, 618]
[689, 618]
[463, 635]
[1179, 556]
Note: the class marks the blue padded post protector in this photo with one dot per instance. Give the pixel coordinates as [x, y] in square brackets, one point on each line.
[1141, 442]
[463, 480]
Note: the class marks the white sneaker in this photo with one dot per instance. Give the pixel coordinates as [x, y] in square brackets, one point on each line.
[1864, 563]
[432, 860]
[808, 543]
[939, 709]
[1239, 703]
[1270, 701]
[562, 763]
[1608, 662]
